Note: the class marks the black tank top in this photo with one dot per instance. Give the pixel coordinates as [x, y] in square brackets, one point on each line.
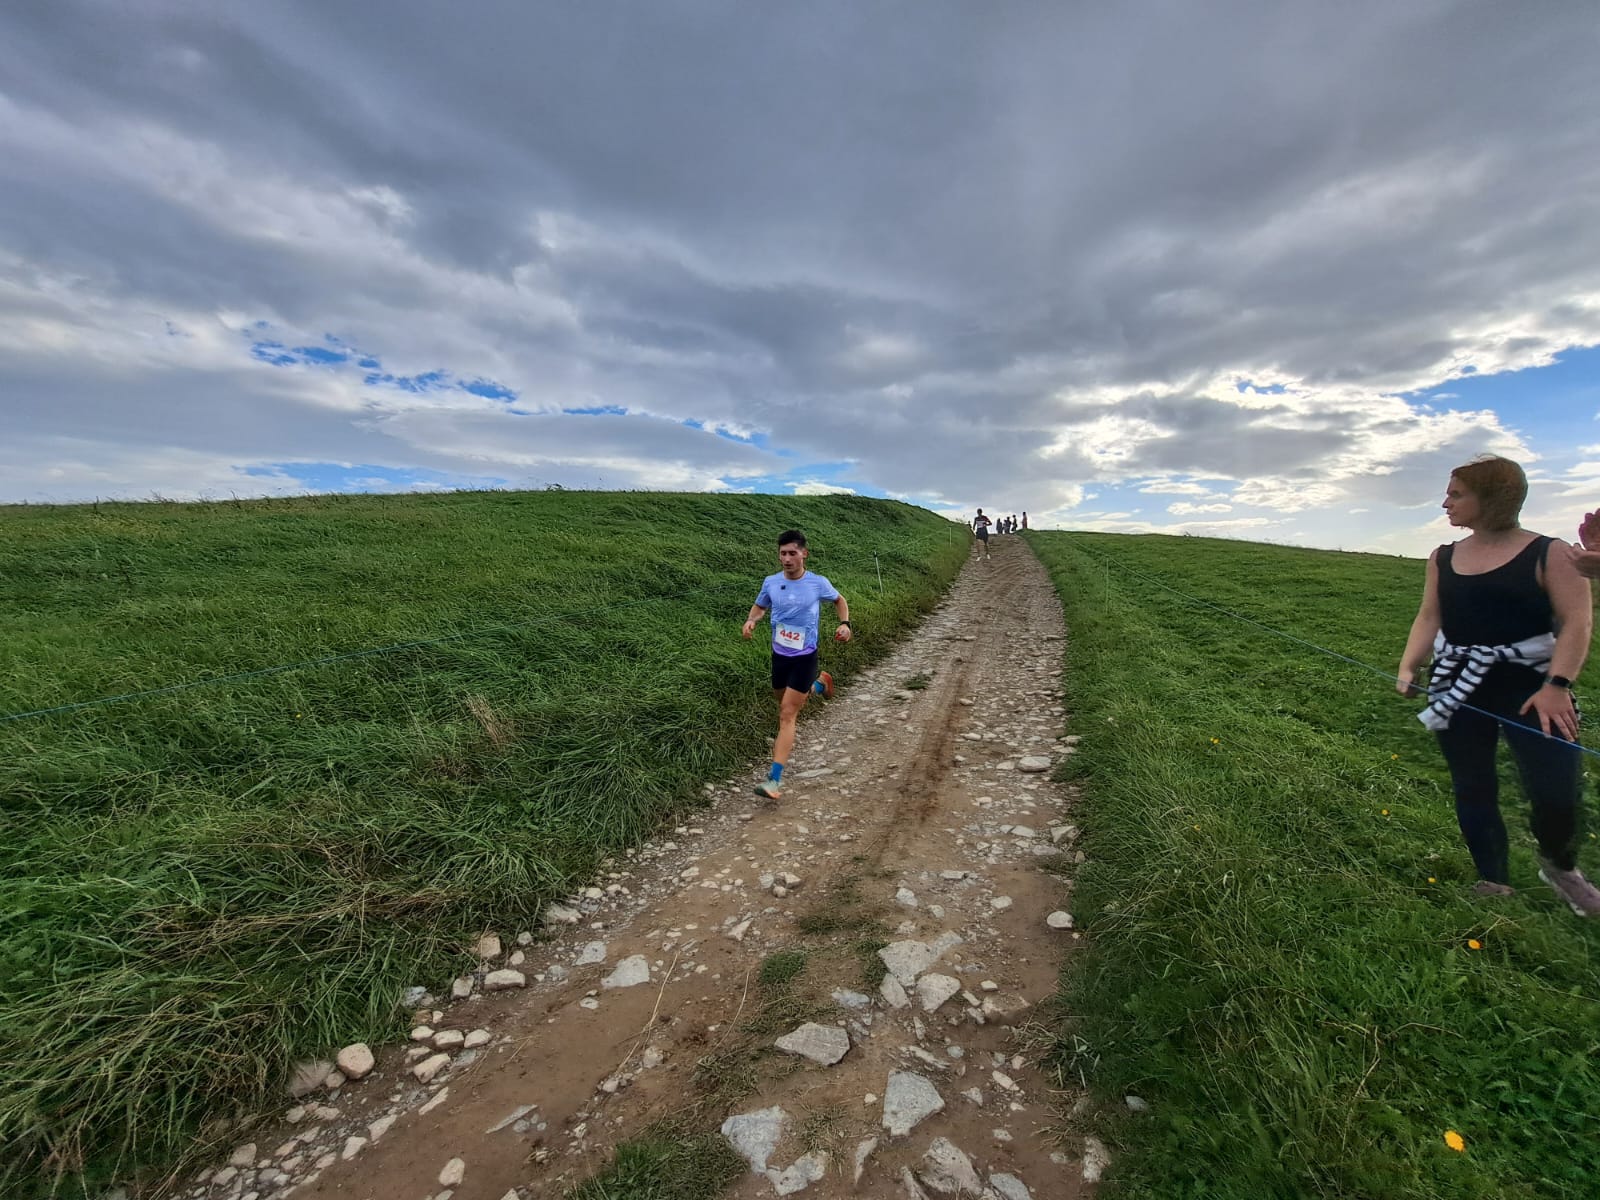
[1498, 607]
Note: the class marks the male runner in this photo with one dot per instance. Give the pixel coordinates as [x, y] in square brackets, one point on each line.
[980, 526]
[794, 597]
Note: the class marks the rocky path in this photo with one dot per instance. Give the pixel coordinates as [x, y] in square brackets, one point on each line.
[848, 976]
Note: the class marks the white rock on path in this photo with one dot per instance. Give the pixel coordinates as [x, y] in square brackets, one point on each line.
[489, 948]
[1059, 920]
[448, 1039]
[1096, 1158]
[755, 1135]
[355, 1060]
[561, 914]
[806, 1170]
[908, 1100]
[308, 1077]
[630, 972]
[822, 1044]
[1009, 1187]
[594, 952]
[907, 959]
[1033, 764]
[1000, 903]
[499, 981]
[243, 1156]
[380, 1127]
[478, 1037]
[909, 1187]
[934, 990]
[429, 1067]
[894, 995]
[863, 1152]
[946, 1169]
[452, 1173]
[352, 1147]
[906, 897]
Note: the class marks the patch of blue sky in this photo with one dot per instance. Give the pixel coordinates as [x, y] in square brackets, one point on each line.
[597, 410]
[488, 389]
[321, 356]
[428, 381]
[1538, 402]
[1266, 389]
[325, 477]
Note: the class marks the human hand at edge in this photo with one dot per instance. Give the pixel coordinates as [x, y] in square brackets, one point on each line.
[1557, 714]
[1585, 562]
[749, 628]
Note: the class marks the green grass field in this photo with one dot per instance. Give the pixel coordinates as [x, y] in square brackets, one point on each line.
[1281, 949]
[202, 886]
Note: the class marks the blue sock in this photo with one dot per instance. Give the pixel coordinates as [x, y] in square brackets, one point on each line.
[776, 774]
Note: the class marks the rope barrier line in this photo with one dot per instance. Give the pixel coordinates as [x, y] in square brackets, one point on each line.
[370, 652]
[1355, 662]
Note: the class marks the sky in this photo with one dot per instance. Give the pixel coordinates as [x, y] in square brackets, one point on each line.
[1245, 269]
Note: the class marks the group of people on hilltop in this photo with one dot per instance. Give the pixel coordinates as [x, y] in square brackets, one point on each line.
[1506, 618]
[982, 526]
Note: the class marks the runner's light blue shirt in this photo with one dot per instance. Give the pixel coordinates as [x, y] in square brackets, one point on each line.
[793, 605]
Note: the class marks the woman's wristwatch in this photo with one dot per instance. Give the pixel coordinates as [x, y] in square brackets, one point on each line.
[1560, 681]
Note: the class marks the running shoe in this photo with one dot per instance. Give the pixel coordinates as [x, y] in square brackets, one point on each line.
[823, 686]
[768, 788]
[1582, 897]
[1488, 887]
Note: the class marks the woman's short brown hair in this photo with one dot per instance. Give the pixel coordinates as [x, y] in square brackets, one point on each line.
[1500, 486]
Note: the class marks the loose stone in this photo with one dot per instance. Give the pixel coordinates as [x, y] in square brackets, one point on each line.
[593, 952]
[863, 1152]
[243, 1156]
[478, 1037]
[356, 1060]
[429, 1067]
[352, 1147]
[893, 993]
[1136, 1104]
[947, 1169]
[380, 1127]
[806, 1170]
[308, 1077]
[822, 1044]
[453, 1172]
[501, 980]
[489, 947]
[1059, 920]
[908, 1100]
[461, 988]
[561, 914]
[1033, 764]
[755, 1135]
[1096, 1158]
[934, 990]
[630, 972]
[1009, 1187]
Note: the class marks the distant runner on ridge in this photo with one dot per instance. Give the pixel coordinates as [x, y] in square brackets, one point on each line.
[980, 526]
[794, 597]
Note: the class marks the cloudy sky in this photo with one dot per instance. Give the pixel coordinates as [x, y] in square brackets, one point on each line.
[1264, 270]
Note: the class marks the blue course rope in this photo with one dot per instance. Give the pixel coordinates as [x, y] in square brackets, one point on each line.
[1300, 641]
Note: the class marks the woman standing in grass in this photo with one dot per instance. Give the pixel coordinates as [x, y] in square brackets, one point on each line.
[1508, 625]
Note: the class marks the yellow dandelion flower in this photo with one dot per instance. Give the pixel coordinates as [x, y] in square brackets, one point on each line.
[1474, 944]
[1431, 879]
[1392, 757]
[1386, 812]
[1216, 741]
[1454, 1140]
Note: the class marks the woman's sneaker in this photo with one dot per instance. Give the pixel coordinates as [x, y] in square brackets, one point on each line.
[824, 685]
[1581, 895]
[768, 788]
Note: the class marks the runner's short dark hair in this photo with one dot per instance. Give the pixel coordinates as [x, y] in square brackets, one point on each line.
[791, 537]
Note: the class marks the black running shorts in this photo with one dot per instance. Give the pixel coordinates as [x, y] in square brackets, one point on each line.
[797, 672]
[984, 533]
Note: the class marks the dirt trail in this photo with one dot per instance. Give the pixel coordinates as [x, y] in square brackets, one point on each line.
[898, 817]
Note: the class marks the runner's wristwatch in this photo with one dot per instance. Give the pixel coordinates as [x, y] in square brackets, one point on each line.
[1560, 681]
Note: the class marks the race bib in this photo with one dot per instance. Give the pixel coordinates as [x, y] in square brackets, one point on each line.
[789, 637]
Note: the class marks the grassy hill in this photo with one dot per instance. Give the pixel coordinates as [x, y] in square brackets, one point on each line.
[204, 884]
[1283, 959]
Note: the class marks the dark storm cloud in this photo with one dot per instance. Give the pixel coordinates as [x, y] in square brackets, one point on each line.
[961, 247]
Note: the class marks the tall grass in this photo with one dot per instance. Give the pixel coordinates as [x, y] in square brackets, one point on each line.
[203, 886]
[1281, 953]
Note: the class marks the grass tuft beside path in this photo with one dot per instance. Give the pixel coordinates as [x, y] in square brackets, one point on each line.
[203, 886]
[1282, 957]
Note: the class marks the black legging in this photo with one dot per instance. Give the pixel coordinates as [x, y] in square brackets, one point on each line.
[1550, 771]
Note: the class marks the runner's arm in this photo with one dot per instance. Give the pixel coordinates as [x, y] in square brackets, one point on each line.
[1574, 622]
[756, 613]
[842, 607]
